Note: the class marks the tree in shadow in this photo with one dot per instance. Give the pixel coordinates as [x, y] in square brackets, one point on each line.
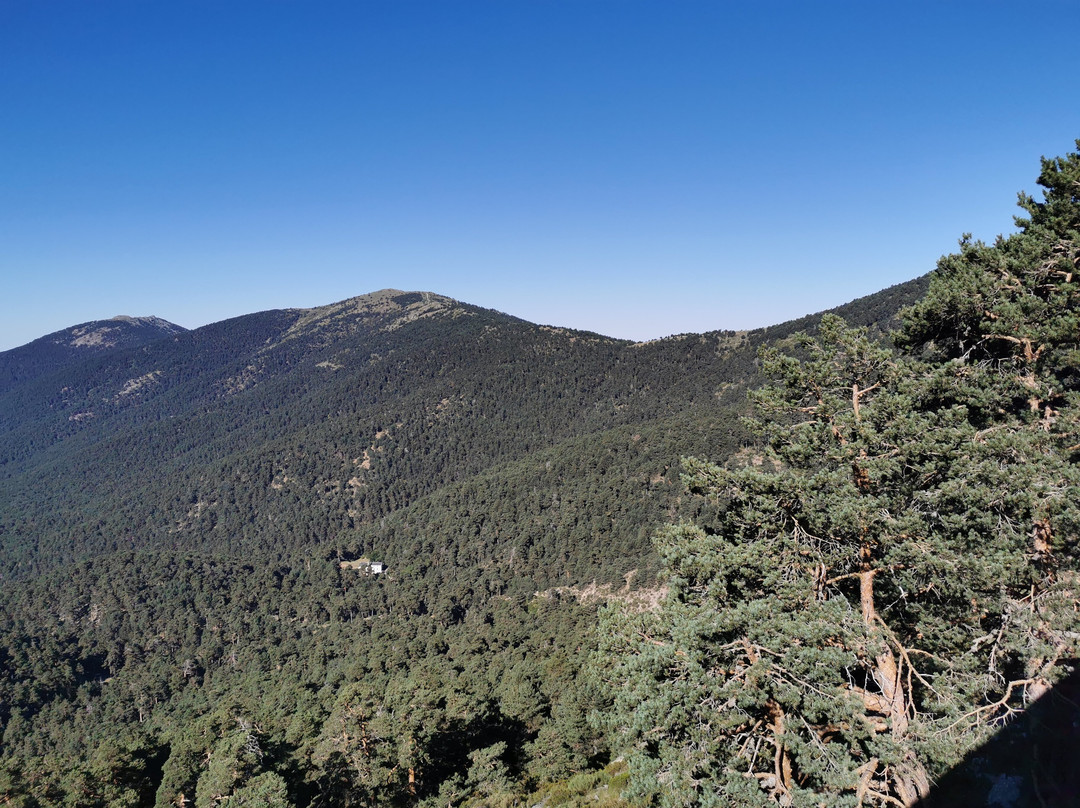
[1033, 761]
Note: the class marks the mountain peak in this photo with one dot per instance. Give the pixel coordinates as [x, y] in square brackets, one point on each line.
[384, 310]
[76, 343]
[121, 331]
[150, 321]
[387, 301]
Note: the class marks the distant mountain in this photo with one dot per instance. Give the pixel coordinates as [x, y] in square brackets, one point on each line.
[78, 343]
[353, 412]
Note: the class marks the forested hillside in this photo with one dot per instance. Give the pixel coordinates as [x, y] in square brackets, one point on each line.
[285, 430]
[852, 589]
[176, 515]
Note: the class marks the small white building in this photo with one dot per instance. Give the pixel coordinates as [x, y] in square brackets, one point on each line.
[364, 565]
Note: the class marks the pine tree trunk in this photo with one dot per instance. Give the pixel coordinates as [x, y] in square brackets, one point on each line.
[910, 778]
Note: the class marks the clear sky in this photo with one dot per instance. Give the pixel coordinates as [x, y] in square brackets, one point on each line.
[633, 168]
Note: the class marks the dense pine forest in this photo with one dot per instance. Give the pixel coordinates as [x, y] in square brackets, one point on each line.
[813, 564]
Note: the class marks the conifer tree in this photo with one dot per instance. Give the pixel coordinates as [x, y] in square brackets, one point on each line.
[895, 576]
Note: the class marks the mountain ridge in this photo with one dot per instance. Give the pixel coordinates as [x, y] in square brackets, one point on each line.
[471, 387]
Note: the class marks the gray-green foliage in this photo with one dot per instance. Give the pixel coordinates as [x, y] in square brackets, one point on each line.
[234, 774]
[894, 575]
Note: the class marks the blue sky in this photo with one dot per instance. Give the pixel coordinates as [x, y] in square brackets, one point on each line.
[633, 168]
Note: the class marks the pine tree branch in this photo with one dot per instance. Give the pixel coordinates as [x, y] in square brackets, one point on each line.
[1002, 702]
[866, 772]
[885, 798]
